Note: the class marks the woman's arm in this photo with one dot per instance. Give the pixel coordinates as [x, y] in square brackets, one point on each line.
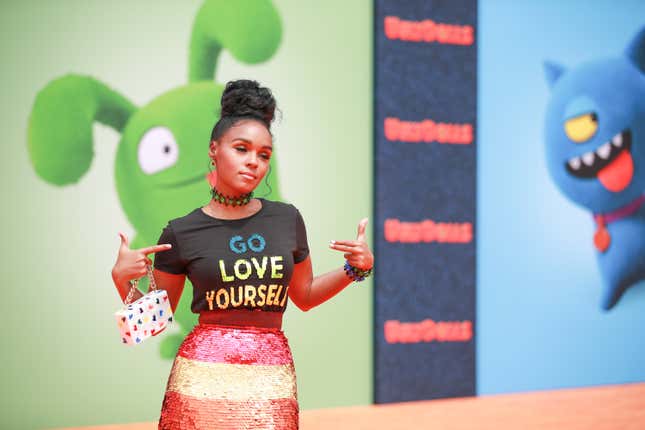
[131, 264]
[173, 284]
[308, 292]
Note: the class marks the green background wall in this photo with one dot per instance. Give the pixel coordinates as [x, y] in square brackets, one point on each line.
[62, 363]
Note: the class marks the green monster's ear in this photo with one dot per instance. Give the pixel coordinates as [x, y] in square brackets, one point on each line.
[249, 29]
[60, 125]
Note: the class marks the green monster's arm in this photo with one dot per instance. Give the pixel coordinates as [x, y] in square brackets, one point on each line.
[60, 125]
[249, 29]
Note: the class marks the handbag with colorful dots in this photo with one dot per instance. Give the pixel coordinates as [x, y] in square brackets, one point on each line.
[147, 316]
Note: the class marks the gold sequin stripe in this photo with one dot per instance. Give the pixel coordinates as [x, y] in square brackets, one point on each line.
[206, 380]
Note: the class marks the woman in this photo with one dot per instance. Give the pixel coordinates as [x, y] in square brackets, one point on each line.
[244, 257]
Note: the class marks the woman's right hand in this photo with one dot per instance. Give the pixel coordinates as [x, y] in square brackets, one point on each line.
[131, 263]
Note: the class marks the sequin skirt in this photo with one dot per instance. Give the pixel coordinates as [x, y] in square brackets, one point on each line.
[231, 377]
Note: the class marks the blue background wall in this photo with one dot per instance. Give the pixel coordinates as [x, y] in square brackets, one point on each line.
[538, 286]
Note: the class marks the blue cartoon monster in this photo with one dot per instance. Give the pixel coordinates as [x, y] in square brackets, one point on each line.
[595, 150]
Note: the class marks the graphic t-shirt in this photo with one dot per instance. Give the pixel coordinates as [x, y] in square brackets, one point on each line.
[244, 263]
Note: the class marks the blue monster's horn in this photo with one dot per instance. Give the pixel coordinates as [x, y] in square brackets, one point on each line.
[552, 71]
[59, 132]
[249, 29]
[636, 50]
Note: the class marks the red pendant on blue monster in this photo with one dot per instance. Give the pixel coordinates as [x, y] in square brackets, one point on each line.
[601, 239]
[619, 173]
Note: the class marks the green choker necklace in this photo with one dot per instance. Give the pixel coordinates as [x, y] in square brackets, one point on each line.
[231, 201]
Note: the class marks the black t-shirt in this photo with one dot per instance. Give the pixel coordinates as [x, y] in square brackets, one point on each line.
[244, 263]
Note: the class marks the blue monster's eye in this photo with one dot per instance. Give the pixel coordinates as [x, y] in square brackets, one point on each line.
[580, 118]
[582, 127]
[157, 150]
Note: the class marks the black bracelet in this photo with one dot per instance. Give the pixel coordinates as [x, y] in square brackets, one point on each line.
[355, 273]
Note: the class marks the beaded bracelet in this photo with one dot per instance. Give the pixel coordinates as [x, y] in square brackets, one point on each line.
[355, 273]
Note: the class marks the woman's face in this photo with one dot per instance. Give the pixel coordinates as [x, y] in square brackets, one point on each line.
[241, 157]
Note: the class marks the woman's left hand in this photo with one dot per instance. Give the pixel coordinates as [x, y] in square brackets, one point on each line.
[356, 251]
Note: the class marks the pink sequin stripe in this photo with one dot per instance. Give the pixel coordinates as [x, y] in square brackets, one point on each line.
[181, 412]
[236, 345]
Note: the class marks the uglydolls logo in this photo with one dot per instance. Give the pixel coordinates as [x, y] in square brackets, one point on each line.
[428, 31]
[427, 131]
[427, 330]
[266, 293]
[427, 231]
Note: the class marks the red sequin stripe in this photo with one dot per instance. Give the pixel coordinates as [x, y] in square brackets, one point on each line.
[188, 413]
[235, 345]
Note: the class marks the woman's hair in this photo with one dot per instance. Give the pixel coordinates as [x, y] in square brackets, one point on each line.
[244, 99]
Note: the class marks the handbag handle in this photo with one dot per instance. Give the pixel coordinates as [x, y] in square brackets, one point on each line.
[134, 282]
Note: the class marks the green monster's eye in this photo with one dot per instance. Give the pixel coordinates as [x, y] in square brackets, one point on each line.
[581, 128]
[157, 150]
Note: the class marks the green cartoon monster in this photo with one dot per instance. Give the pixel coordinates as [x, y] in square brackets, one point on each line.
[162, 157]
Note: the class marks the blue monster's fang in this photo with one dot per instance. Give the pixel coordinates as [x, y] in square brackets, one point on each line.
[590, 163]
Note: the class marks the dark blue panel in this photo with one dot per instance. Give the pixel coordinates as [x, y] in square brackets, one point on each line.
[415, 81]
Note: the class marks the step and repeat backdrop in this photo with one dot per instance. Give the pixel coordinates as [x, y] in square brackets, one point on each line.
[497, 147]
[509, 196]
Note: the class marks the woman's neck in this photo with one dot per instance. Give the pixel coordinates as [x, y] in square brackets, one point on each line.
[220, 210]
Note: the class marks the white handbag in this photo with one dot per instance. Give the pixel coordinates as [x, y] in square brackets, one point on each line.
[147, 316]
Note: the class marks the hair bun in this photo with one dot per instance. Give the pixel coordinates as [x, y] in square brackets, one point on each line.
[246, 98]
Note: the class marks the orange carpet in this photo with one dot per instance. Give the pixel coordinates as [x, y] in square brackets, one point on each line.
[602, 407]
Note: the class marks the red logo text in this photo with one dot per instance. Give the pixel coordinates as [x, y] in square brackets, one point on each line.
[428, 331]
[427, 231]
[428, 31]
[427, 131]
